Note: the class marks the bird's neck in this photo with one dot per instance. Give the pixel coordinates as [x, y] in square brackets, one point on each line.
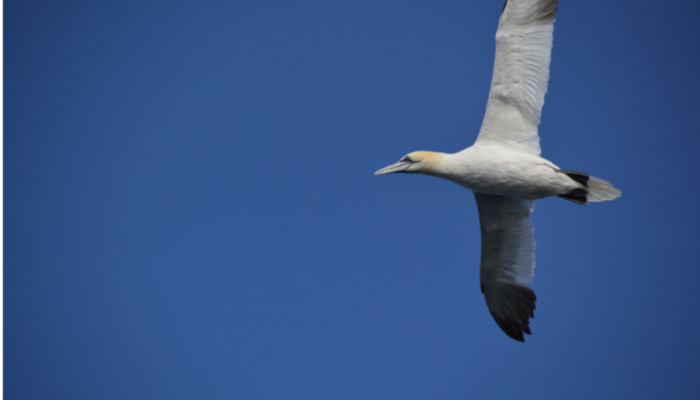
[433, 163]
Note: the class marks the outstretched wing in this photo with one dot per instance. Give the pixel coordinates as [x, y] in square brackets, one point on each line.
[520, 75]
[507, 261]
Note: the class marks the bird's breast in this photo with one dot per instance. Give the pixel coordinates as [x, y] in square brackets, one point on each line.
[506, 173]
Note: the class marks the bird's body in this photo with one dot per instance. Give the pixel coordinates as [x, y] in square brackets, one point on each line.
[495, 170]
[504, 168]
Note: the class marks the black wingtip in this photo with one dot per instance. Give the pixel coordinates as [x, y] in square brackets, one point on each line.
[516, 305]
[547, 10]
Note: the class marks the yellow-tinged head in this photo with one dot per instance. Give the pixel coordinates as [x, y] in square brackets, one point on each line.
[421, 162]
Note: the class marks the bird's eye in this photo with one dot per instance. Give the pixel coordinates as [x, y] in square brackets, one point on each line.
[407, 159]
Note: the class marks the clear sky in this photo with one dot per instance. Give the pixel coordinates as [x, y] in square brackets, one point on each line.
[190, 210]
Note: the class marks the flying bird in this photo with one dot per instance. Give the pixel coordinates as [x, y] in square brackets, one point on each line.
[504, 168]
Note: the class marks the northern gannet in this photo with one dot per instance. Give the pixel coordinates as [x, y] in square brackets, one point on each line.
[504, 168]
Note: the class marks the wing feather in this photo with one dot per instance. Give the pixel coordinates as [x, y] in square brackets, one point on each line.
[507, 261]
[520, 75]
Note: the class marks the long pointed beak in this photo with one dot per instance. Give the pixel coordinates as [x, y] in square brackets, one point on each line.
[398, 167]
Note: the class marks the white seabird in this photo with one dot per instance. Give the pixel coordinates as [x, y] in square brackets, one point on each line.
[504, 167]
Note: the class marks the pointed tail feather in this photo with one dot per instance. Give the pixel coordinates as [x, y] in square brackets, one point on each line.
[595, 189]
[601, 190]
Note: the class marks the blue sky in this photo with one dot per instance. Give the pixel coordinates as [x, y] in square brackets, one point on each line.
[190, 210]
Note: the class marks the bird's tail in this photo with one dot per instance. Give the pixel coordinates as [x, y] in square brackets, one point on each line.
[601, 190]
[595, 189]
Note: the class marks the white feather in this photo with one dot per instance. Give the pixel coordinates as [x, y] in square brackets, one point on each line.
[520, 75]
[601, 190]
[507, 239]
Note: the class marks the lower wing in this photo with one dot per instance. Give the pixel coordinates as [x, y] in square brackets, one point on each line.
[507, 261]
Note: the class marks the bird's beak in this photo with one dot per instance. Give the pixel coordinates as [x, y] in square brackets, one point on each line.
[398, 167]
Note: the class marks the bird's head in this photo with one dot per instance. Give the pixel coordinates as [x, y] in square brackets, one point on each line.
[419, 162]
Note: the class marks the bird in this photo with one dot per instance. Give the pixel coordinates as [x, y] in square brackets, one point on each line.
[504, 168]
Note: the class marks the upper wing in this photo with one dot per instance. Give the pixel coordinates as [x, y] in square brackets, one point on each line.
[520, 75]
[507, 261]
